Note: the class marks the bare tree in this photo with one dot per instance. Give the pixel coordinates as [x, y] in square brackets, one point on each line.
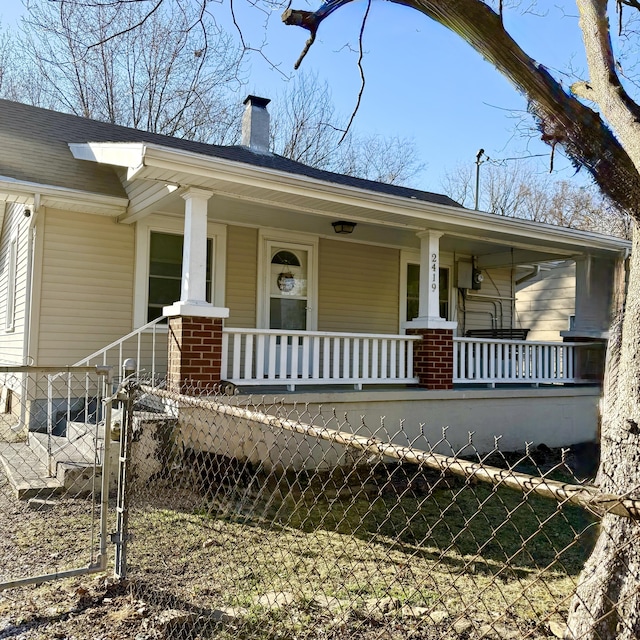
[387, 159]
[519, 190]
[306, 128]
[172, 71]
[304, 124]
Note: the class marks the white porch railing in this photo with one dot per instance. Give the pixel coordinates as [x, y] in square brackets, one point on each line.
[147, 345]
[512, 361]
[273, 357]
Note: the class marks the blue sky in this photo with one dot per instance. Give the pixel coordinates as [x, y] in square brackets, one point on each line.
[422, 82]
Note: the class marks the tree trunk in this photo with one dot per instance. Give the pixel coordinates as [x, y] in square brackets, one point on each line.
[606, 605]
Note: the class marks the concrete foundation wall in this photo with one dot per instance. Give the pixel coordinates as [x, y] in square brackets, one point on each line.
[554, 416]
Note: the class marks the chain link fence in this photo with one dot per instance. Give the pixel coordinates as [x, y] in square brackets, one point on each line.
[51, 452]
[235, 517]
[252, 520]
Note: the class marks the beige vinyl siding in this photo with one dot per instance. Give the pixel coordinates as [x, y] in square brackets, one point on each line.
[545, 303]
[87, 285]
[492, 307]
[242, 273]
[15, 225]
[358, 288]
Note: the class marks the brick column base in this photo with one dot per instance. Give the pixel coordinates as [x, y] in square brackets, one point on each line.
[195, 354]
[433, 358]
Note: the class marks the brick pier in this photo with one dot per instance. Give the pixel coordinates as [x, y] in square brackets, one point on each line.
[195, 353]
[433, 358]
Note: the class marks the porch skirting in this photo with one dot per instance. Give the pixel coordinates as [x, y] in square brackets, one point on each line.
[557, 417]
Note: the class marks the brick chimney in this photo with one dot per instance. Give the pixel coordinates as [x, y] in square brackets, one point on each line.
[255, 124]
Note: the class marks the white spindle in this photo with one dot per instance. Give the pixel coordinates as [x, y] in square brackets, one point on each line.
[355, 359]
[366, 362]
[393, 360]
[306, 354]
[346, 358]
[374, 360]
[237, 350]
[271, 374]
[247, 374]
[384, 359]
[326, 358]
[260, 353]
[282, 349]
[294, 374]
[225, 356]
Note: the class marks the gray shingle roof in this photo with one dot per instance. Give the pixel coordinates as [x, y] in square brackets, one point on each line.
[34, 148]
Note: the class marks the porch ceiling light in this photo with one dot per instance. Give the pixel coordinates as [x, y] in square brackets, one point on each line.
[343, 226]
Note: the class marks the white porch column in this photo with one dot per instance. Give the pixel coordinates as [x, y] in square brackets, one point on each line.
[429, 302]
[194, 256]
[195, 345]
[193, 290]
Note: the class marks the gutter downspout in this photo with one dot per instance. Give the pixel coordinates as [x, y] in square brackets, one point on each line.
[26, 332]
[529, 276]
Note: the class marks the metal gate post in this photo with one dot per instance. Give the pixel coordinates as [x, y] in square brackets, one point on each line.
[121, 536]
[105, 373]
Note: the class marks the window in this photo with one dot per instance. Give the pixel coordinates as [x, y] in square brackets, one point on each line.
[158, 269]
[165, 271]
[413, 291]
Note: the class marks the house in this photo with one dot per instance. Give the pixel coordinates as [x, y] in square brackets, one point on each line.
[546, 299]
[379, 299]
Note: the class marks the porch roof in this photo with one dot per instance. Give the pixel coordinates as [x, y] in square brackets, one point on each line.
[284, 199]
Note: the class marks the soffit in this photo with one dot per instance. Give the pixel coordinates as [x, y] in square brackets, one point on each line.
[306, 206]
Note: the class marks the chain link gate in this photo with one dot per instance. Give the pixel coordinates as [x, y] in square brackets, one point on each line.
[55, 450]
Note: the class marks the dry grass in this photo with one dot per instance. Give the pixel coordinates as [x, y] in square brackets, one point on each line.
[397, 554]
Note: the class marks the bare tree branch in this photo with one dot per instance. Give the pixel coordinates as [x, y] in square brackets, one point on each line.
[562, 119]
[360, 69]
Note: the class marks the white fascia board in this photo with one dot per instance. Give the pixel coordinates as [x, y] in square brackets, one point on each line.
[59, 196]
[119, 154]
[431, 215]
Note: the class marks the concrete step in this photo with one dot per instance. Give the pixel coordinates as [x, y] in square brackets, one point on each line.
[27, 475]
[76, 430]
[70, 471]
[63, 451]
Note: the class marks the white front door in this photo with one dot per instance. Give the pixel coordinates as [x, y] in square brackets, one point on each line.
[288, 286]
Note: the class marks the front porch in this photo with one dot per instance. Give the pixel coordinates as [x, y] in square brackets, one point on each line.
[518, 391]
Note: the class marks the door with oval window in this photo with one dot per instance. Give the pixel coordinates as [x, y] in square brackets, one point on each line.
[288, 288]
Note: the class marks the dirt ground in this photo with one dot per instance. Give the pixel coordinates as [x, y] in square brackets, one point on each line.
[311, 562]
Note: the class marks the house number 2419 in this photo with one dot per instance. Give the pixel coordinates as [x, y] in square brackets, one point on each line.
[434, 269]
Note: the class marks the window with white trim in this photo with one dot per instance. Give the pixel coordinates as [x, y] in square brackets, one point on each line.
[165, 271]
[158, 267]
[410, 287]
[413, 291]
